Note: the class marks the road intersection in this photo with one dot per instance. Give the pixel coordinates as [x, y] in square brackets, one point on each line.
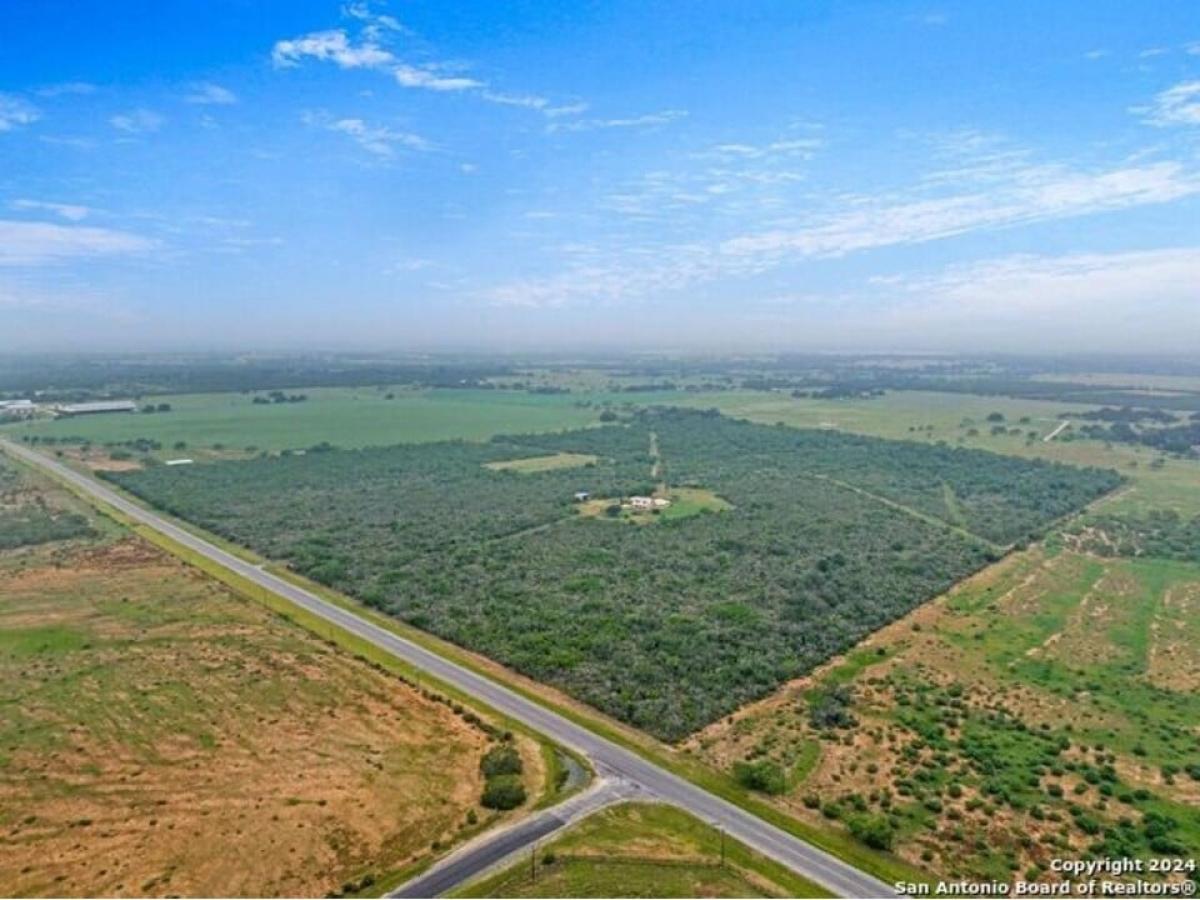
[611, 760]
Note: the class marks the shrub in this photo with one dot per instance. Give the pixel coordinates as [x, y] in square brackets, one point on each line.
[832, 709]
[501, 760]
[763, 776]
[503, 792]
[874, 831]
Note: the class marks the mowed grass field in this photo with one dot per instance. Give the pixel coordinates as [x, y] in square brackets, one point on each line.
[346, 417]
[161, 735]
[643, 850]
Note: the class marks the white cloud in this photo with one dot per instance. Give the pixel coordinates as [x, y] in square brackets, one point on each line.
[429, 78]
[534, 102]
[1008, 195]
[802, 147]
[137, 121]
[370, 52]
[15, 112]
[70, 211]
[331, 46]
[649, 120]
[1178, 105]
[41, 243]
[567, 109]
[234, 244]
[335, 46]
[1036, 193]
[375, 24]
[377, 139]
[1111, 300]
[207, 93]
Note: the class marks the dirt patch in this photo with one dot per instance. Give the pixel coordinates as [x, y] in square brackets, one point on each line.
[99, 460]
[167, 737]
[1006, 661]
[1173, 655]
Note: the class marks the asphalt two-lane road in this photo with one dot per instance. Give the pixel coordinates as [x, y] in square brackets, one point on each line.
[614, 760]
[501, 845]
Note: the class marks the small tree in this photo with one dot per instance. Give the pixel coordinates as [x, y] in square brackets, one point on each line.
[873, 830]
[503, 792]
[763, 776]
[501, 760]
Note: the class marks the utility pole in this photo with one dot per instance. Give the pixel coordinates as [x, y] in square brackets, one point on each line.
[533, 863]
[722, 827]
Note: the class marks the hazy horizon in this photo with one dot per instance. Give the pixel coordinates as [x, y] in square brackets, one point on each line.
[842, 177]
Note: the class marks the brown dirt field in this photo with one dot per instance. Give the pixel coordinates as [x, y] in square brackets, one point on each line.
[166, 737]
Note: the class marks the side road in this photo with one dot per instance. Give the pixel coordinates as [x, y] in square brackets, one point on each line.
[499, 846]
[606, 756]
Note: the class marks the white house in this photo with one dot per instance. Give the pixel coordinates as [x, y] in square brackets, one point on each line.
[661, 502]
[641, 502]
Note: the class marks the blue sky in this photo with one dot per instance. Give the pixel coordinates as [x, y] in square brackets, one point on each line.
[808, 175]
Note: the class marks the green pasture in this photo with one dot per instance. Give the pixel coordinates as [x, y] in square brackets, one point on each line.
[643, 850]
[345, 417]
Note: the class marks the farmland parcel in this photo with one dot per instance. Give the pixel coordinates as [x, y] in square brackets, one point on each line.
[820, 538]
[162, 735]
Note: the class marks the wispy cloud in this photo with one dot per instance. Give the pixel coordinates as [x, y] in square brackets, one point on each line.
[337, 47]
[206, 93]
[649, 120]
[534, 102]
[370, 50]
[1178, 105]
[432, 79]
[15, 112]
[1036, 193]
[330, 46]
[137, 121]
[375, 25]
[801, 147]
[376, 139]
[41, 243]
[71, 211]
[1107, 298]
[1004, 196]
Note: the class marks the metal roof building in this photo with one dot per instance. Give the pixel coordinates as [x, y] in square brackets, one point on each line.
[103, 406]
